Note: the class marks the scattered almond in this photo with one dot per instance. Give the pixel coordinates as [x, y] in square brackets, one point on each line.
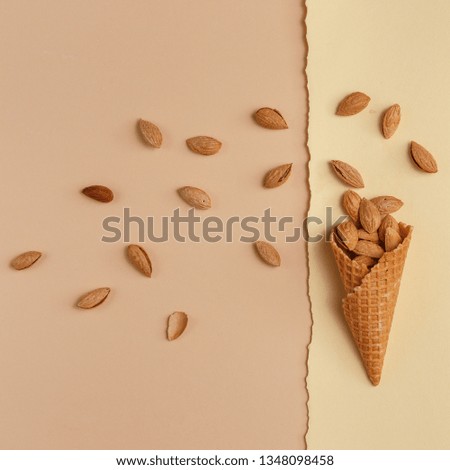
[366, 260]
[352, 104]
[176, 324]
[270, 118]
[94, 298]
[277, 176]
[268, 253]
[372, 237]
[140, 259]
[423, 158]
[25, 260]
[151, 133]
[369, 216]
[391, 120]
[388, 222]
[351, 202]
[204, 145]
[195, 197]
[348, 234]
[99, 193]
[391, 239]
[347, 174]
[366, 248]
[387, 204]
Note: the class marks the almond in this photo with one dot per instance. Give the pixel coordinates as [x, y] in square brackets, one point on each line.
[347, 174]
[176, 324]
[366, 260]
[268, 253]
[423, 158]
[352, 104]
[277, 176]
[151, 133]
[94, 298]
[348, 234]
[99, 193]
[270, 118]
[391, 120]
[340, 243]
[391, 239]
[25, 260]
[372, 237]
[204, 145]
[351, 202]
[195, 197]
[140, 259]
[387, 222]
[387, 204]
[366, 248]
[369, 216]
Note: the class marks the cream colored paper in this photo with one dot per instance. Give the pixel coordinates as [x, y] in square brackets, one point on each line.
[395, 52]
[75, 77]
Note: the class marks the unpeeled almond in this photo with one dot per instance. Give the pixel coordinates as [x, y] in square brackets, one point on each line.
[151, 133]
[351, 202]
[352, 104]
[347, 173]
[268, 253]
[277, 176]
[391, 239]
[388, 222]
[348, 234]
[391, 120]
[423, 158]
[176, 324]
[25, 260]
[387, 204]
[94, 298]
[366, 260]
[195, 197]
[366, 248]
[140, 259]
[204, 145]
[372, 237]
[99, 193]
[369, 216]
[270, 118]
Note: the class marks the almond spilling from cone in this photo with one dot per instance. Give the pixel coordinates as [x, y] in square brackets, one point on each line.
[348, 234]
[352, 104]
[195, 197]
[423, 158]
[150, 133]
[99, 193]
[369, 216]
[268, 253]
[94, 298]
[387, 204]
[371, 249]
[388, 222]
[270, 118]
[351, 202]
[176, 324]
[347, 173]
[140, 259]
[391, 120]
[391, 239]
[25, 260]
[277, 176]
[366, 260]
[372, 237]
[204, 145]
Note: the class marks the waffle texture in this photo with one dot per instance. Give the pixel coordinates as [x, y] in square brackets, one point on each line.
[370, 301]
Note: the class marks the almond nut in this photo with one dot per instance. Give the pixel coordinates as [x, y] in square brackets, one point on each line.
[366, 248]
[369, 216]
[99, 193]
[151, 133]
[351, 202]
[348, 234]
[268, 253]
[270, 118]
[423, 158]
[204, 145]
[391, 239]
[366, 260]
[277, 176]
[195, 197]
[140, 259]
[25, 260]
[93, 298]
[347, 174]
[352, 104]
[387, 222]
[176, 324]
[372, 237]
[387, 204]
[391, 120]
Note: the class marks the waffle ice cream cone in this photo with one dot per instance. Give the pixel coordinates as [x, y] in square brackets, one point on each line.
[370, 301]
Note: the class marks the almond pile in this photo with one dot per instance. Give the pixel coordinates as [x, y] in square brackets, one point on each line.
[371, 230]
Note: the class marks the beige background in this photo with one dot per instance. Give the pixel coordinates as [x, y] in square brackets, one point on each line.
[395, 52]
[75, 78]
